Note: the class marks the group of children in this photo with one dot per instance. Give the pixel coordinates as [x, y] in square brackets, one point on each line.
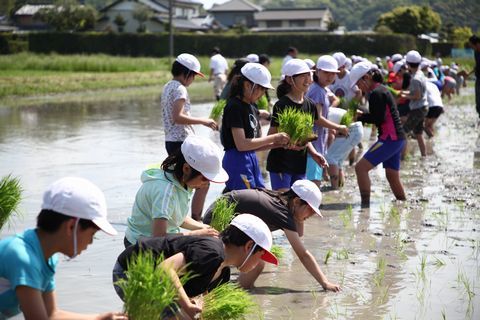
[74, 209]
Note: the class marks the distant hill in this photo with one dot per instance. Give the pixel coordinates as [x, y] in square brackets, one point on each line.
[363, 14]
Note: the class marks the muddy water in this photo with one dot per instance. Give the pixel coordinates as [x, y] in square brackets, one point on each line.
[417, 259]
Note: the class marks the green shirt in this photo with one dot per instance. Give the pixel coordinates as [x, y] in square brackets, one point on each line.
[161, 196]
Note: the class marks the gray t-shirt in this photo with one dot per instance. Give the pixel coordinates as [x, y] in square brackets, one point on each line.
[418, 83]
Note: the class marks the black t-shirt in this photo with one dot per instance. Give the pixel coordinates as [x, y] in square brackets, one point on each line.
[379, 100]
[203, 256]
[283, 160]
[477, 64]
[407, 77]
[239, 114]
[265, 204]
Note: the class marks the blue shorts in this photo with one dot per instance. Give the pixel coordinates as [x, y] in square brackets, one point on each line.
[284, 180]
[314, 171]
[243, 170]
[387, 152]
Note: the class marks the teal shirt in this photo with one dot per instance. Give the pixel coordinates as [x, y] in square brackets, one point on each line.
[22, 264]
[159, 197]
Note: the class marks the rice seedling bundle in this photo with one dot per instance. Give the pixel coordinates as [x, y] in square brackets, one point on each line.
[148, 289]
[351, 112]
[227, 302]
[298, 125]
[217, 110]
[10, 197]
[222, 214]
[262, 103]
[277, 251]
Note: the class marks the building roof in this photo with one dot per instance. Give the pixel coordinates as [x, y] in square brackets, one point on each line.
[291, 14]
[31, 9]
[236, 5]
[183, 24]
[152, 4]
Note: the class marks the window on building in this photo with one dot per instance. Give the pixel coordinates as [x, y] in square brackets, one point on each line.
[297, 23]
[274, 24]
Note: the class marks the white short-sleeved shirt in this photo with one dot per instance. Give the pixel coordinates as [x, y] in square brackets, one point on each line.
[172, 92]
[341, 87]
[219, 64]
[433, 95]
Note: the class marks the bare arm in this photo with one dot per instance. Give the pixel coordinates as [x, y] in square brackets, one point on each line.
[179, 117]
[244, 144]
[324, 122]
[308, 261]
[160, 226]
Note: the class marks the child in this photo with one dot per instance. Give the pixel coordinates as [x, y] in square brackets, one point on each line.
[177, 120]
[286, 211]
[243, 244]
[327, 69]
[391, 137]
[161, 203]
[435, 107]
[73, 210]
[288, 165]
[241, 132]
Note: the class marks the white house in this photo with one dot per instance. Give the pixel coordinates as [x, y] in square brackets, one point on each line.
[293, 19]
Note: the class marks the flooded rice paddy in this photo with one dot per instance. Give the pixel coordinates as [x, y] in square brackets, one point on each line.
[417, 259]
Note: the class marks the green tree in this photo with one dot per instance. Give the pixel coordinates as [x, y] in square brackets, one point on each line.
[460, 36]
[120, 22]
[413, 20]
[68, 15]
[332, 25]
[142, 15]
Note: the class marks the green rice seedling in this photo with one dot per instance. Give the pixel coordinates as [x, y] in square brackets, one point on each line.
[226, 302]
[439, 262]
[222, 214]
[328, 255]
[298, 125]
[342, 254]
[10, 197]
[380, 274]
[217, 110]
[468, 288]
[148, 289]
[423, 266]
[395, 214]
[347, 216]
[262, 103]
[277, 251]
[348, 117]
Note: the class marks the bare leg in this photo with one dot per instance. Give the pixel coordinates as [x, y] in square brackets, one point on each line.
[421, 144]
[361, 169]
[393, 177]
[247, 280]
[429, 126]
[198, 201]
[404, 150]
[333, 172]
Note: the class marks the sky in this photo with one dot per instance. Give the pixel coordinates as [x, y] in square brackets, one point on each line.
[208, 3]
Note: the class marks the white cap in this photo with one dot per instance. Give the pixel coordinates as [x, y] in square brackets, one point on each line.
[341, 58]
[396, 57]
[258, 231]
[336, 114]
[258, 74]
[309, 63]
[358, 71]
[189, 61]
[203, 155]
[327, 63]
[413, 57]
[425, 64]
[378, 59]
[310, 193]
[252, 57]
[78, 198]
[294, 67]
[348, 64]
[398, 65]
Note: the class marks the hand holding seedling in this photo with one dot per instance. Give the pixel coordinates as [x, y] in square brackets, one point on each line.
[211, 124]
[209, 232]
[343, 130]
[192, 309]
[281, 138]
[322, 162]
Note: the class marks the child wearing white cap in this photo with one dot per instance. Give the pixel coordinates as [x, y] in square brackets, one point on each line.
[327, 69]
[288, 165]
[241, 132]
[73, 210]
[218, 72]
[177, 119]
[341, 85]
[243, 244]
[285, 211]
[161, 203]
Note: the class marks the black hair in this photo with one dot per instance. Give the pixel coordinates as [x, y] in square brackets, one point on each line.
[474, 39]
[284, 87]
[50, 221]
[376, 76]
[179, 69]
[215, 50]
[236, 88]
[413, 65]
[291, 49]
[236, 68]
[174, 164]
[232, 235]
[263, 58]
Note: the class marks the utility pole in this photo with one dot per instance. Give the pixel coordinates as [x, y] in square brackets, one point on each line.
[170, 31]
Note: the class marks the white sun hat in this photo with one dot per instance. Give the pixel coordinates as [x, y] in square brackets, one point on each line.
[310, 63]
[78, 198]
[327, 63]
[310, 193]
[258, 231]
[294, 67]
[358, 71]
[258, 74]
[398, 65]
[396, 57]
[253, 57]
[413, 57]
[203, 155]
[341, 58]
[191, 62]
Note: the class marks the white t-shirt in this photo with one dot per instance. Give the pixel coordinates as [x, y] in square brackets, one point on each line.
[219, 64]
[433, 95]
[172, 92]
[341, 87]
[286, 59]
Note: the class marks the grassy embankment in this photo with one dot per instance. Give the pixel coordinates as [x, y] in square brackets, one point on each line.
[30, 78]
